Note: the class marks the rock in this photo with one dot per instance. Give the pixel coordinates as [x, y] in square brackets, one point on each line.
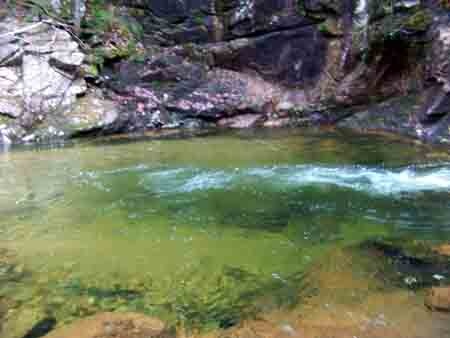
[67, 61]
[241, 121]
[10, 54]
[395, 115]
[115, 325]
[10, 92]
[209, 61]
[438, 299]
[443, 250]
[39, 72]
[89, 113]
[26, 323]
[278, 122]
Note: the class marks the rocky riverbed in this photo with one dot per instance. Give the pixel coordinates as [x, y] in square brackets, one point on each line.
[241, 234]
[348, 293]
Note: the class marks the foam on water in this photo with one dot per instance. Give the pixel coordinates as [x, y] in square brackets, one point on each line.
[366, 179]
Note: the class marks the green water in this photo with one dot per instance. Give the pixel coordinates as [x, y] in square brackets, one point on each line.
[203, 231]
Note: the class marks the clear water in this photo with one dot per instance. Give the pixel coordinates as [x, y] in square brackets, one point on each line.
[204, 231]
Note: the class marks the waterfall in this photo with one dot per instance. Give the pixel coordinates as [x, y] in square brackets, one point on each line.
[56, 5]
[347, 10]
[362, 20]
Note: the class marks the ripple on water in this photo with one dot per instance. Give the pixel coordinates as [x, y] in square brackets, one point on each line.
[366, 179]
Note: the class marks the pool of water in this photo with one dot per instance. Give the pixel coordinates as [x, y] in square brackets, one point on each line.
[204, 231]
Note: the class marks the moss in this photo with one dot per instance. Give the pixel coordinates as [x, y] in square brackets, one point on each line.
[301, 7]
[407, 27]
[330, 27]
[5, 119]
[419, 21]
[90, 70]
[199, 17]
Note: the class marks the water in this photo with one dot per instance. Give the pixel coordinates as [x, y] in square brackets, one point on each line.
[204, 231]
[362, 21]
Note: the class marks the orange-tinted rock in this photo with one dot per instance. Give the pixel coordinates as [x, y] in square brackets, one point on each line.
[443, 250]
[115, 325]
[438, 298]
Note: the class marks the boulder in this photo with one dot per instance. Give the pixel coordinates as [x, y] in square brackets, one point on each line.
[38, 71]
[25, 322]
[115, 325]
[438, 298]
[443, 250]
[241, 121]
[11, 86]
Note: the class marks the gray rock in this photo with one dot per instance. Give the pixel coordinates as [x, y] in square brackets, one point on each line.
[67, 61]
[39, 74]
[10, 54]
[11, 103]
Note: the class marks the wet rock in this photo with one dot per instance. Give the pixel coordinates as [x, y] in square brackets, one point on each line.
[117, 325]
[293, 58]
[89, 113]
[278, 122]
[438, 299]
[241, 121]
[396, 116]
[212, 60]
[185, 87]
[41, 328]
[443, 250]
[26, 323]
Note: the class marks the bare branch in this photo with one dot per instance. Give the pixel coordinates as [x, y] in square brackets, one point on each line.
[23, 30]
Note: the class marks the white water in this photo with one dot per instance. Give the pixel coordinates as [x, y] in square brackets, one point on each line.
[362, 20]
[362, 13]
[369, 180]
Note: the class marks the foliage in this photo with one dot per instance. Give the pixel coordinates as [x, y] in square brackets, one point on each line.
[111, 34]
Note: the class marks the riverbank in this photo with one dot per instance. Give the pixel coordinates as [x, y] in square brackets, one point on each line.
[139, 68]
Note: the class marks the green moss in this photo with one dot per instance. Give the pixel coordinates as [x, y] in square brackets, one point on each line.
[419, 21]
[5, 119]
[330, 27]
[199, 17]
[301, 7]
[90, 70]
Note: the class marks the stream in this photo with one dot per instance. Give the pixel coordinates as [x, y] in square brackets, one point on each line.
[207, 231]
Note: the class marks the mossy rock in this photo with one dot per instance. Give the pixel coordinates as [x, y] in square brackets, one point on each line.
[402, 26]
[331, 27]
[5, 119]
[90, 71]
[419, 21]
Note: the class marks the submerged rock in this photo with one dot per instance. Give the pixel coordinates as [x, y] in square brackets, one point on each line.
[443, 250]
[115, 325]
[26, 322]
[438, 298]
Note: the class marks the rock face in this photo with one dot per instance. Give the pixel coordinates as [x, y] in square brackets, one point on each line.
[275, 62]
[115, 325]
[36, 69]
[40, 82]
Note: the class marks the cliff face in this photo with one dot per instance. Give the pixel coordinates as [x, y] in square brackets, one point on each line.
[362, 64]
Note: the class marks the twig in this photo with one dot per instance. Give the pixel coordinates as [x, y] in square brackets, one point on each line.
[49, 22]
[22, 30]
